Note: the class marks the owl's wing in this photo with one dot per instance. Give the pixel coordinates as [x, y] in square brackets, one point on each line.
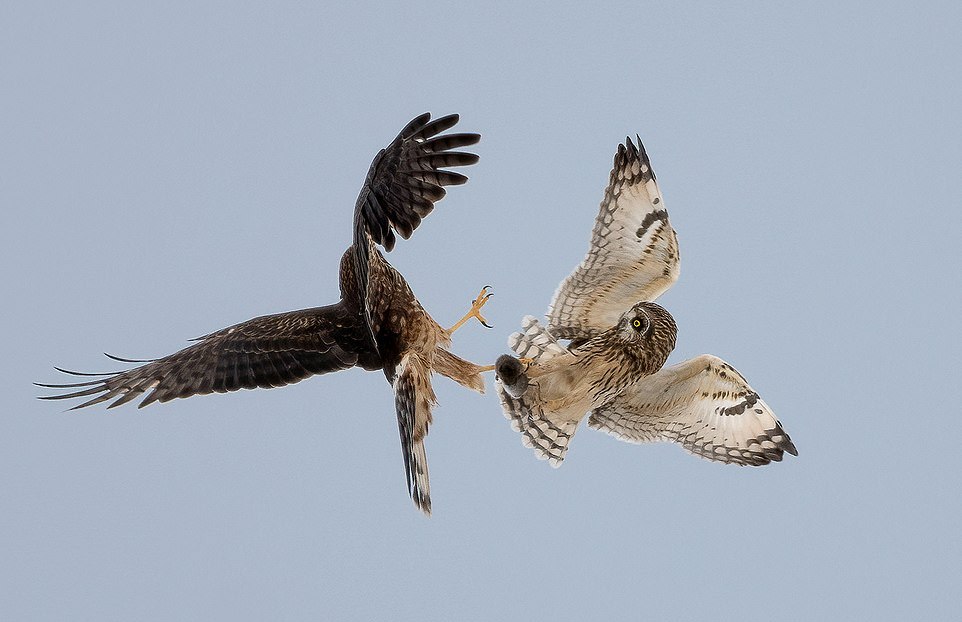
[521, 400]
[268, 351]
[548, 439]
[405, 180]
[703, 404]
[413, 399]
[633, 255]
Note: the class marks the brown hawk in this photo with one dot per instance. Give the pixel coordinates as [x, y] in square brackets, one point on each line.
[612, 368]
[377, 324]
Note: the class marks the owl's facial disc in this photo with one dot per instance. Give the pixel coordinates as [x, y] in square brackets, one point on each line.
[635, 324]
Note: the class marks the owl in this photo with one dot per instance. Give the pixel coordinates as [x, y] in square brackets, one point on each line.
[612, 368]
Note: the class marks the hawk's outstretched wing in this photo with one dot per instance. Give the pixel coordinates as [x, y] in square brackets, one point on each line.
[402, 185]
[703, 404]
[633, 254]
[268, 351]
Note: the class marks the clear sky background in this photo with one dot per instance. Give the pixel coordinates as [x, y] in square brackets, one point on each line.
[166, 171]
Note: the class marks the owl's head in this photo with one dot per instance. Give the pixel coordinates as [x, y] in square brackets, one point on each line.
[651, 328]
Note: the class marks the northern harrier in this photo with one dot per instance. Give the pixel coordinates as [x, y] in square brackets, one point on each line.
[612, 368]
[377, 324]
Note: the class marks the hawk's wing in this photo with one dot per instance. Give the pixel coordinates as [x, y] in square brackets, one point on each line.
[413, 399]
[703, 404]
[402, 185]
[633, 254]
[268, 351]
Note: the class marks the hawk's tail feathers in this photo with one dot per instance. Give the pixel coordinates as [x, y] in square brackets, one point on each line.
[522, 406]
[413, 399]
[534, 341]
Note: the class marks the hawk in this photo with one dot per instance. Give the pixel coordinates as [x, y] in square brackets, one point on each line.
[611, 370]
[378, 324]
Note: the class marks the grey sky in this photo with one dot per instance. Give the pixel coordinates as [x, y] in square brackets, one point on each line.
[171, 170]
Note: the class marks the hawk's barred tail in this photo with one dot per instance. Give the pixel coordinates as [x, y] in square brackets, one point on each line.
[413, 398]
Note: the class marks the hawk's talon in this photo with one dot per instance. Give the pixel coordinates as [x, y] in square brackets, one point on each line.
[475, 311]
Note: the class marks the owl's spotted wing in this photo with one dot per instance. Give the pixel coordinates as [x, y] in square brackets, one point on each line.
[633, 254]
[413, 399]
[405, 180]
[548, 438]
[703, 404]
[521, 400]
[268, 351]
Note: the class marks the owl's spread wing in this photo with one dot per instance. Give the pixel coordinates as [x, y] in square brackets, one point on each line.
[521, 400]
[268, 351]
[413, 400]
[548, 439]
[633, 255]
[703, 404]
[406, 178]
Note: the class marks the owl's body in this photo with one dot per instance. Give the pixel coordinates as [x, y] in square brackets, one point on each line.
[612, 370]
[593, 372]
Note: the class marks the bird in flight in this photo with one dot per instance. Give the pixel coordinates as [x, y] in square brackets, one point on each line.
[611, 370]
[377, 324]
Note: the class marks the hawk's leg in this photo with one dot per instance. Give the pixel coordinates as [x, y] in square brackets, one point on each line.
[475, 311]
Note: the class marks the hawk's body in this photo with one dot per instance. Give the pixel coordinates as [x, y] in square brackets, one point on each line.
[612, 368]
[377, 324]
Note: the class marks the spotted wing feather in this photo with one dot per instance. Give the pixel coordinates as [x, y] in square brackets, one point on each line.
[534, 341]
[705, 405]
[549, 439]
[268, 351]
[521, 400]
[633, 254]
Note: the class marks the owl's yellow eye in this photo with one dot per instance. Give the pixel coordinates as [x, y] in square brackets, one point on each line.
[636, 323]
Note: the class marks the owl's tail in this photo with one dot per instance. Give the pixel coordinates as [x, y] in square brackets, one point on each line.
[520, 395]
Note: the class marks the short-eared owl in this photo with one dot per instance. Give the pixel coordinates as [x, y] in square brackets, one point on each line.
[612, 368]
[377, 324]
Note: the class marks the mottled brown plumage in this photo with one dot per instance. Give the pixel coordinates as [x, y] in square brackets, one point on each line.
[377, 324]
[612, 370]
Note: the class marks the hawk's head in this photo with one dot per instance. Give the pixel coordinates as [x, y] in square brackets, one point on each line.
[651, 329]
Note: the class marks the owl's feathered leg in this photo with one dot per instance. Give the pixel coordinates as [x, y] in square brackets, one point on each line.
[474, 312]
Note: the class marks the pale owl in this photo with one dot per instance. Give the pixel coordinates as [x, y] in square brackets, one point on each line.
[611, 370]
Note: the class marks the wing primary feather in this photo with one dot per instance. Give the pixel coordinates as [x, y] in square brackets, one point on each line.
[123, 360]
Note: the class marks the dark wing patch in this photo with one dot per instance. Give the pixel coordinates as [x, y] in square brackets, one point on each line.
[406, 179]
[402, 185]
[268, 351]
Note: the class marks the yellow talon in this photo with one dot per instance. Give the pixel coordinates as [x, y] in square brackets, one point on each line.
[475, 311]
